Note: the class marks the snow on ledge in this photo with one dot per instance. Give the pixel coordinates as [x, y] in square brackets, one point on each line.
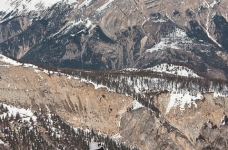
[37, 70]
[15, 63]
[9, 61]
[131, 69]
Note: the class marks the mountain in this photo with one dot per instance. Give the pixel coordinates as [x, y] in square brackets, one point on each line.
[113, 35]
[131, 74]
[146, 108]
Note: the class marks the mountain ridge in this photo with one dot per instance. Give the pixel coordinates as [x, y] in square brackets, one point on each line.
[104, 109]
[76, 35]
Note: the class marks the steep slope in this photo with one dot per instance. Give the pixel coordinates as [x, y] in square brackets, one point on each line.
[69, 98]
[169, 111]
[27, 86]
[111, 34]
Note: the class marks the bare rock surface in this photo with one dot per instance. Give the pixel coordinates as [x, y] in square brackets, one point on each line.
[77, 102]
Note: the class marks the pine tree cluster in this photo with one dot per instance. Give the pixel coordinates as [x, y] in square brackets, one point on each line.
[48, 132]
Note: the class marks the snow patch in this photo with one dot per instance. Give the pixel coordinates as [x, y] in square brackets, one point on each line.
[169, 69]
[29, 65]
[223, 120]
[64, 30]
[218, 94]
[25, 114]
[88, 23]
[15, 63]
[96, 86]
[131, 69]
[93, 145]
[20, 6]
[136, 105]
[40, 76]
[181, 99]
[145, 21]
[172, 40]
[105, 6]
[174, 69]
[159, 20]
[85, 3]
[117, 138]
[3, 143]
[9, 61]
[216, 2]
[162, 45]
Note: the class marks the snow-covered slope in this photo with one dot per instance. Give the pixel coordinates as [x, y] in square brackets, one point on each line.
[174, 69]
[13, 8]
[173, 40]
[25, 114]
[29, 5]
[169, 69]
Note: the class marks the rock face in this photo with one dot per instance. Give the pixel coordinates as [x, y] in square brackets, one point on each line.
[81, 104]
[142, 128]
[145, 129]
[110, 34]
[193, 120]
[77, 102]
[100, 110]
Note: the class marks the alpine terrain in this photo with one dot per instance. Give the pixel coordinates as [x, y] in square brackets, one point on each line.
[114, 75]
